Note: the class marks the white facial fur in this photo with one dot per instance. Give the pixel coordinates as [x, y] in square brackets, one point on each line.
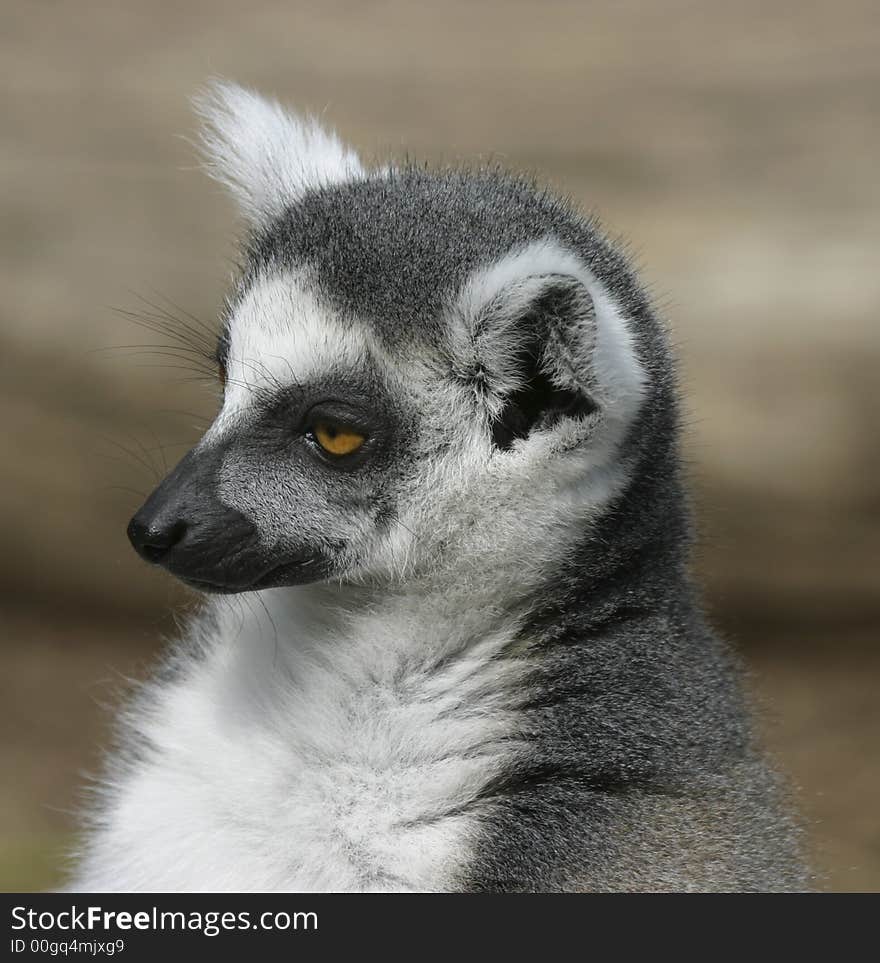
[280, 334]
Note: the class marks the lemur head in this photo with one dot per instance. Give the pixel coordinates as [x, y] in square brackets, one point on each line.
[422, 371]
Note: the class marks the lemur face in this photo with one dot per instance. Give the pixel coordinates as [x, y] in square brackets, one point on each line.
[302, 464]
[417, 368]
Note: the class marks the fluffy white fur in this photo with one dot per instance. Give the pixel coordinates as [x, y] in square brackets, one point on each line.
[282, 335]
[267, 156]
[315, 747]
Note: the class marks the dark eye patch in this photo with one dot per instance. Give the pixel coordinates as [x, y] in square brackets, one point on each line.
[285, 421]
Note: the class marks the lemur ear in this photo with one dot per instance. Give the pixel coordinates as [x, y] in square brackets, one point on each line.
[267, 156]
[541, 341]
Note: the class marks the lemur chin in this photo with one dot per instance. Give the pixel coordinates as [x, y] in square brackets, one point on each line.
[447, 459]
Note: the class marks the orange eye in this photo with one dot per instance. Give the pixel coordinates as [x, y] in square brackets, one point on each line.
[336, 439]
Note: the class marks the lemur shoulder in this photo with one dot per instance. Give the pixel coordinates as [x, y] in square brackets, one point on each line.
[447, 463]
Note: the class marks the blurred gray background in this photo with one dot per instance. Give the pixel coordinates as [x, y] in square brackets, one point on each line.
[736, 147]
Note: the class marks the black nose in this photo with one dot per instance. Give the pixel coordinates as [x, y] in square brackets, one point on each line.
[152, 539]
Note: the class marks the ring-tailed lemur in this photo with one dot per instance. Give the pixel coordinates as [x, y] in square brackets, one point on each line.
[447, 460]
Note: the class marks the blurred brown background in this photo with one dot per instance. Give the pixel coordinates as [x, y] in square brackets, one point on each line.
[737, 146]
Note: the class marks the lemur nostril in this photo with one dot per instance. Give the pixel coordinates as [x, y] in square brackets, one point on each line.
[152, 542]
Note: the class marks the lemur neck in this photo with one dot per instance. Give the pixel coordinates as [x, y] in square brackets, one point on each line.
[390, 629]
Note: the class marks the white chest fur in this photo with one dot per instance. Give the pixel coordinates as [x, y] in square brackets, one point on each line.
[315, 751]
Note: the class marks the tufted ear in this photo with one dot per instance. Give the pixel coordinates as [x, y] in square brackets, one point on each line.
[542, 341]
[267, 156]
